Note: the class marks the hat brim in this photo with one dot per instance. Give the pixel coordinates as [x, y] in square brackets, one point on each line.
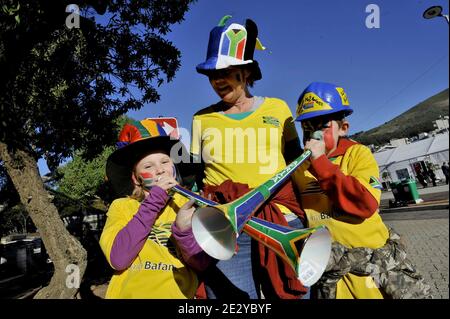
[120, 164]
[210, 66]
[311, 115]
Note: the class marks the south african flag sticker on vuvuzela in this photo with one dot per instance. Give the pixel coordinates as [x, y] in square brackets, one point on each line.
[216, 228]
[306, 250]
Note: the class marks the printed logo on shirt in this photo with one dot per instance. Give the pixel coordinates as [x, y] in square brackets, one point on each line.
[375, 182]
[158, 266]
[161, 234]
[148, 265]
[319, 217]
[271, 120]
[327, 215]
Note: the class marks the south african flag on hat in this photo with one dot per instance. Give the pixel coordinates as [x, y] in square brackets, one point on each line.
[231, 46]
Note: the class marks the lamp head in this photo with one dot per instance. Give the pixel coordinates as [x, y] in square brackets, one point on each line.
[432, 12]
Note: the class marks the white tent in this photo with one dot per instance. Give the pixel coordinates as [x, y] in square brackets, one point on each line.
[398, 162]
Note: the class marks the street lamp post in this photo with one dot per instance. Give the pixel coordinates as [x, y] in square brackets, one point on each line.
[433, 12]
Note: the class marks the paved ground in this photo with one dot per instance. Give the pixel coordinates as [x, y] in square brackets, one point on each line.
[429, 195]
[425, 234]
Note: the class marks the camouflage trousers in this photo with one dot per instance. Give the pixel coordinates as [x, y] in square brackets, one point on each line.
[391, 270]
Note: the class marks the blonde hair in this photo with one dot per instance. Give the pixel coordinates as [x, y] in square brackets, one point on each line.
[138, 191]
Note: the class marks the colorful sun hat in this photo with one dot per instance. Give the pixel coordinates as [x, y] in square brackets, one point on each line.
[231, 46]
[136, 140]
[320, 99]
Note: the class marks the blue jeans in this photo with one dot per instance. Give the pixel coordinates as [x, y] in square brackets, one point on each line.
[235, 278]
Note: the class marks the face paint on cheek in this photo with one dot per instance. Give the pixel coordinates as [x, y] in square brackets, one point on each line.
[148, 179]
[328, 138]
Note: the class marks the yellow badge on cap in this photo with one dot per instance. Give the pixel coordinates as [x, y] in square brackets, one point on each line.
[312, 103]
[343, 96]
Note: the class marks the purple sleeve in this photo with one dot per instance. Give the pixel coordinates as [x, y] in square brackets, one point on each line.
[192, 253]
[131, 238]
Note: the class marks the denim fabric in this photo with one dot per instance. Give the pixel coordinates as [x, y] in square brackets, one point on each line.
[234, 278]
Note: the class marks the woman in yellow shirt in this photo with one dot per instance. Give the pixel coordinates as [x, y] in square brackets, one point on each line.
[243, 140]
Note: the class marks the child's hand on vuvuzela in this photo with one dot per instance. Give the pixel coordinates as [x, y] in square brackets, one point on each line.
[184, 216]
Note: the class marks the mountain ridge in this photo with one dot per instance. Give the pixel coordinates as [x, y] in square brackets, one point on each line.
[417, 119]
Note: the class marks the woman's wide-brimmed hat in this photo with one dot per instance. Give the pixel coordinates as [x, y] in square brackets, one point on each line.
[232, 46]
[136, 140]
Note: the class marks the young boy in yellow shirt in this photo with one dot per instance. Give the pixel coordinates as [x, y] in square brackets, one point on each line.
[340, 189]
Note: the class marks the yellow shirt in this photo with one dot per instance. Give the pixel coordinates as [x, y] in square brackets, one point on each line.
[248, 150]
[156, 272]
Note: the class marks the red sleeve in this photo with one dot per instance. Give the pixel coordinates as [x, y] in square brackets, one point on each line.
[346, 192]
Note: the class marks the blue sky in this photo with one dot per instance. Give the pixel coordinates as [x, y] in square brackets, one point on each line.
[385, 71]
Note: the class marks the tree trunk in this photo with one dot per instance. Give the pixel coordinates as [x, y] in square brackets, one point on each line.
[63, 249]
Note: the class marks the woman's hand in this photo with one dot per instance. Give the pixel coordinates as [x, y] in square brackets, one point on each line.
[184, 216]
[202, 194]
